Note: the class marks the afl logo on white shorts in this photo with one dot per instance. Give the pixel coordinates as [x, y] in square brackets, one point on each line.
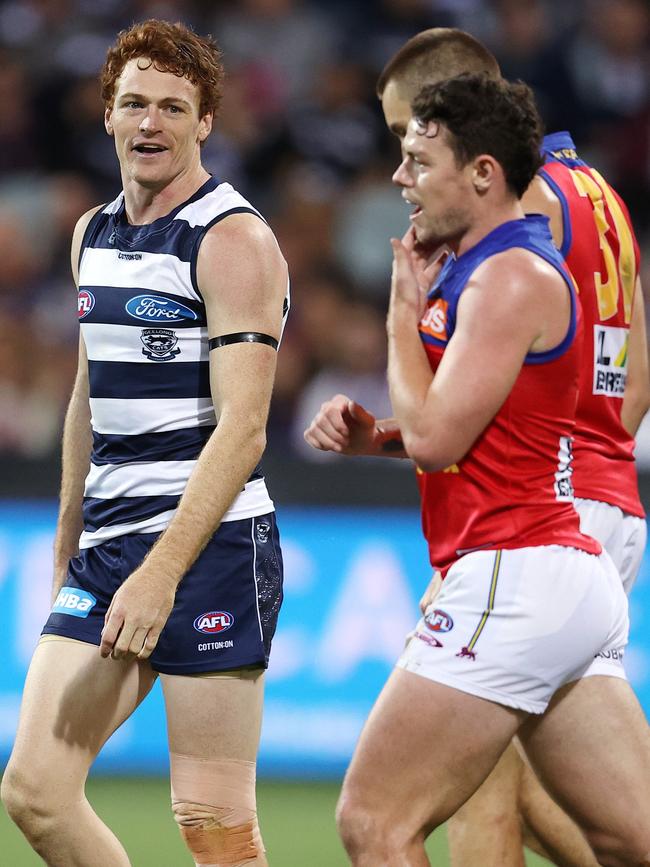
[439, 621]
[214, 621]
[85, 303]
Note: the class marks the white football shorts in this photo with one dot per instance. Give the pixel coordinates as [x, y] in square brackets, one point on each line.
[623, 536]
[515, 626]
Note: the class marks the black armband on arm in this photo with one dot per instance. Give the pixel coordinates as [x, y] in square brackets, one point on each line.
[242, 337]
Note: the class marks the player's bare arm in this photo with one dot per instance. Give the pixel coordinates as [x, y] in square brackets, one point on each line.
[441, 417]
[77, 445]
[636, 401]
[243, 280]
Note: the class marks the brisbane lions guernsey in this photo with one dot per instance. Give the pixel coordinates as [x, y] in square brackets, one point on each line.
[144, 325]
[597, 229]
[513, 488]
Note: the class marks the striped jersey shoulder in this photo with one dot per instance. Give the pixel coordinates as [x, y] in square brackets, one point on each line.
[216, 204]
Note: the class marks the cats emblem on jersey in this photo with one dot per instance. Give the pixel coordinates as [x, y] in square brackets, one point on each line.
[159, 344]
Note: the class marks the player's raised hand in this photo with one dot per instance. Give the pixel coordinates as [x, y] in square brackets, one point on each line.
[137, 615]
[343, 426]
[415, 269]
[427, 261]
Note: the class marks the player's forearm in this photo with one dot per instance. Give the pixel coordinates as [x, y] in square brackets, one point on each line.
[77, 446]
[222, 470]
[409, 381]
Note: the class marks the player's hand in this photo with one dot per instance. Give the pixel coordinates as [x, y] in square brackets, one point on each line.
[415, 269]
[344, 427]
[427, 261]
[137, 615]
[430, 594]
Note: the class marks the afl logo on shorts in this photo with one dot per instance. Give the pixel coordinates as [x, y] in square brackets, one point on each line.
[85, 303]
[214, 621]
[438, 621]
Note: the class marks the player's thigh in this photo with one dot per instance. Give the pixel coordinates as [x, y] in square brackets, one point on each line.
[592, 752]
[72, 702]
[427, 745]
[215, 716]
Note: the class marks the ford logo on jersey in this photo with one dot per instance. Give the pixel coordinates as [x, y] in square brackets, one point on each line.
[153, 308]
[214, 621]
[74, 601]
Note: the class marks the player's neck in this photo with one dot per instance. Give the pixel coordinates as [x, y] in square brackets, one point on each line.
[486, 221]
[144, 204]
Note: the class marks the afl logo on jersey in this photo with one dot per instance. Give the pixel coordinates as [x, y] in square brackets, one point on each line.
[85, 303]
[439, 621]
[214, 621]
[153, 308]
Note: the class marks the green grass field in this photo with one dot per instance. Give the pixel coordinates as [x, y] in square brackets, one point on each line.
[297, 822]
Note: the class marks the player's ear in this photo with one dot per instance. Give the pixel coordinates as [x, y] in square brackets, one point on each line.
[483, 171]
[108, 120]
[205, 126]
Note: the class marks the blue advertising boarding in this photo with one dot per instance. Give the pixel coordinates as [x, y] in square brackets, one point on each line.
[353, 578]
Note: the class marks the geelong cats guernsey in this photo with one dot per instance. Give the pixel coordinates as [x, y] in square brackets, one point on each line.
[597, 229]
[143, 322]
[513, 488]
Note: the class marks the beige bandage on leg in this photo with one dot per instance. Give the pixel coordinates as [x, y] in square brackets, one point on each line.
[213, 801]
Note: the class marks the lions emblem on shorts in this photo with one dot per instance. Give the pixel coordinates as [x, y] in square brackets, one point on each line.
[159, 344]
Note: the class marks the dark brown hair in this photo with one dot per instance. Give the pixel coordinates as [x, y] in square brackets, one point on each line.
[433, 55]
[483, 115]
[171, 48]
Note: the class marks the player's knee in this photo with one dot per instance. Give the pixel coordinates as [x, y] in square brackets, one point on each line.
[214, 806]
[219, 835]
[28, 803]
[355, 823]
[366, 830]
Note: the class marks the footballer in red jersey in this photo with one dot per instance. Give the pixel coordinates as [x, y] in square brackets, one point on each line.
[527, 621]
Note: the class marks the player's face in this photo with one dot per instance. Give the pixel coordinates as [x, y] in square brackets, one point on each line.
[156, 124]
[433, 183]
[397, 110]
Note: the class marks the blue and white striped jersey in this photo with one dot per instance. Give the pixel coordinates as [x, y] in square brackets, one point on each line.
[144, 325]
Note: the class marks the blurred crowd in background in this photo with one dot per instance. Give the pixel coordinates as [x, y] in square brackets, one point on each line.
[301, 135]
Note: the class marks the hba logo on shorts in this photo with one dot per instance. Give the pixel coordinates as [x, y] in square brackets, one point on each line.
[214, 621]
[439, 621]
[72, 600]
[153, 308]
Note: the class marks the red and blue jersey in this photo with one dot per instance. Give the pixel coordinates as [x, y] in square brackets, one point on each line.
[513, 488]
[602, 253]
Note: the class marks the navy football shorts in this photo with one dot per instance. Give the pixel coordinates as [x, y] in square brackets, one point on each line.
[226, 607]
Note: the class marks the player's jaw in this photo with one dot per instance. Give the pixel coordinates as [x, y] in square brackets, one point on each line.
[155, 161]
